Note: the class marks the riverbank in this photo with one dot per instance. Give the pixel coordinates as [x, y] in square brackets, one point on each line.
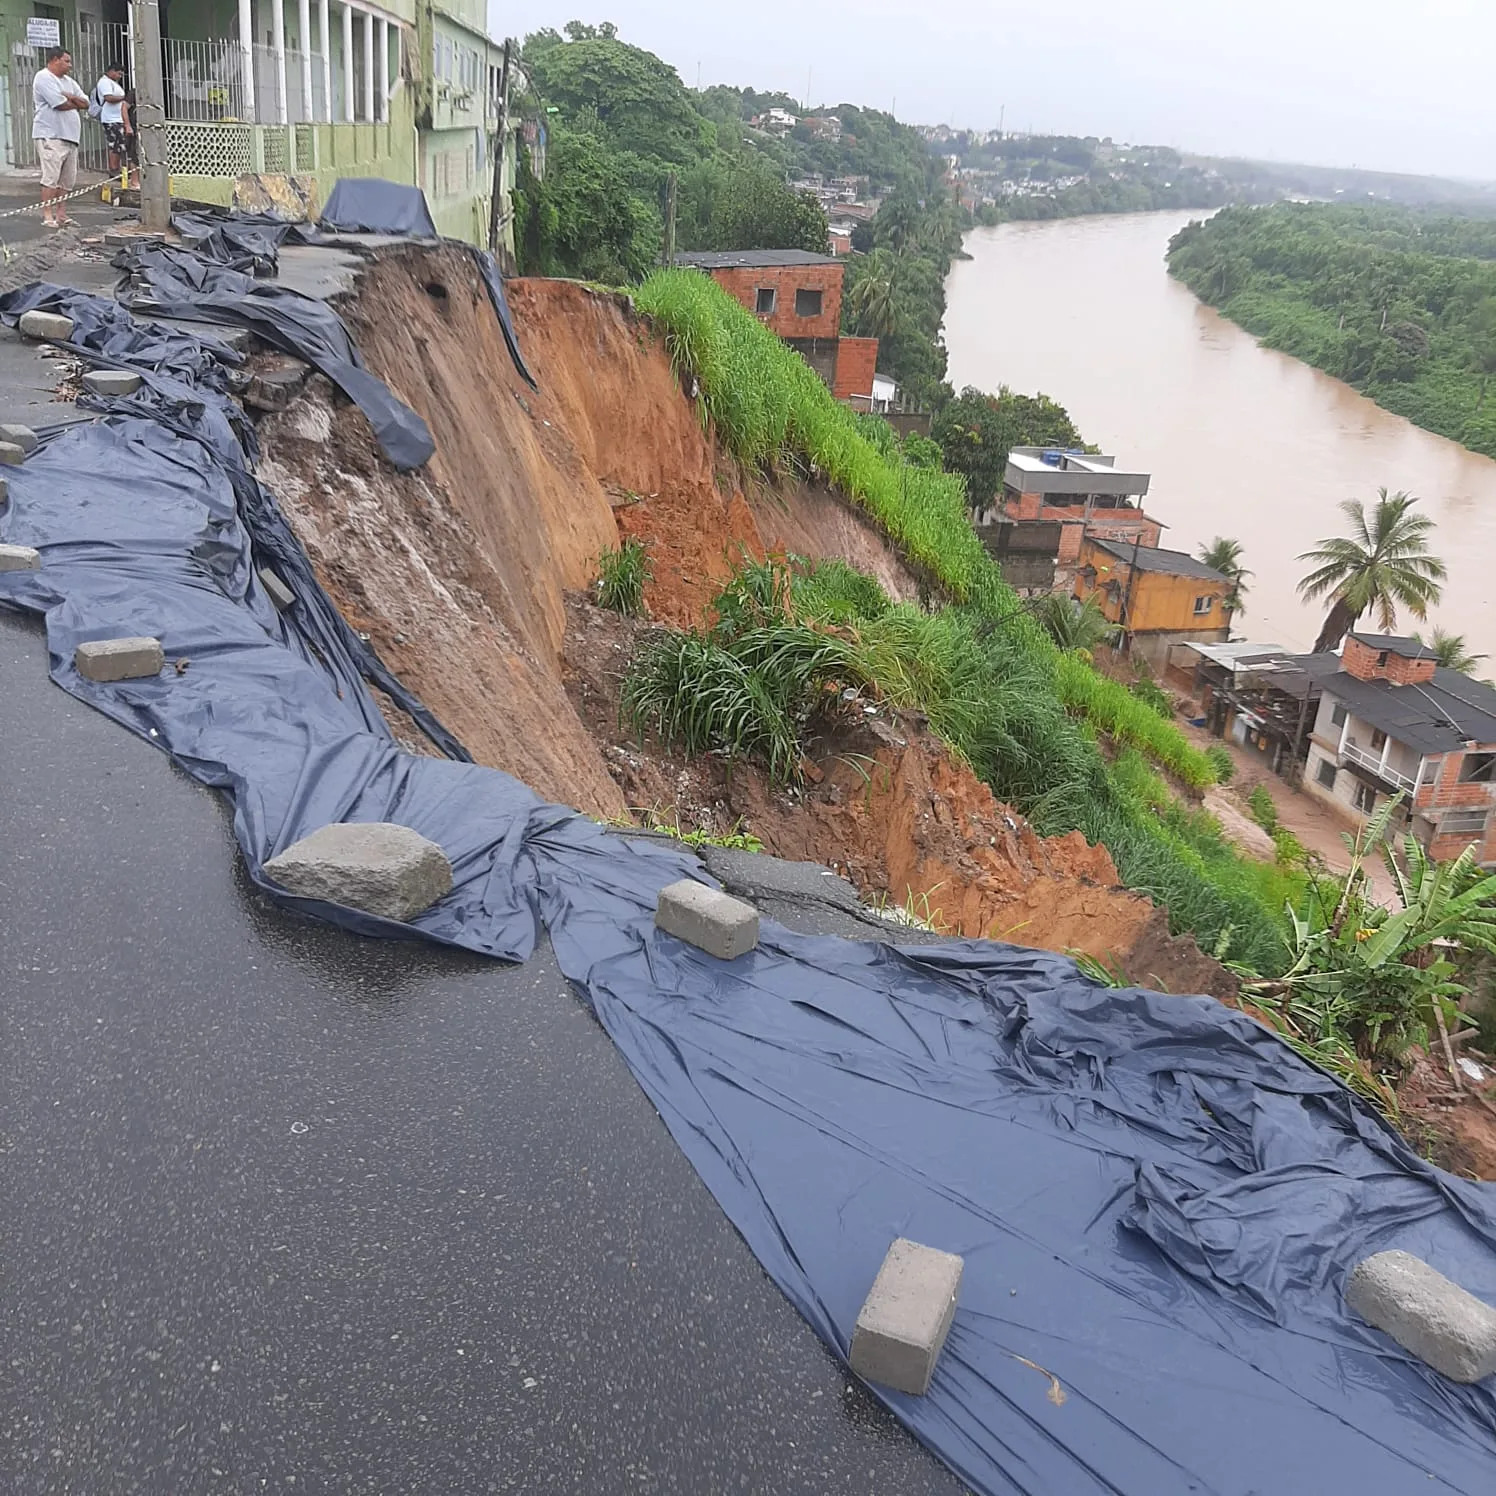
[1240, 440]
[1401, 306]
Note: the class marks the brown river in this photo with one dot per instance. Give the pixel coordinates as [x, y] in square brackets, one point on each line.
[1240, 440]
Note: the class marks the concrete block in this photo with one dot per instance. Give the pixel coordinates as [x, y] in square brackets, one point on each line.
[119, 659]
[4, 489]
[715, 922]
[12, 455]
[51, 327]
[19, 558]
[111, 382]
[1425, 1313]
[275, 589]
[20, 436]
[906, 1317]
[375, 866]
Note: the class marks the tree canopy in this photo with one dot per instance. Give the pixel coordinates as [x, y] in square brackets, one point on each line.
[1399, 302]
[977, 431]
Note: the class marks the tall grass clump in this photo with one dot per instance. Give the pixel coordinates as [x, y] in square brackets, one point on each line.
[622, 574]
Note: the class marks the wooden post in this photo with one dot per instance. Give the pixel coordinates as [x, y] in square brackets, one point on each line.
[671, 184]
[150, 119]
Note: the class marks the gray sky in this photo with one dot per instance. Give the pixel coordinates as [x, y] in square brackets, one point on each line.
[1396, 85]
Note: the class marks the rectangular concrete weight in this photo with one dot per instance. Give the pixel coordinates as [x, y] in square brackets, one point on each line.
[275, 589]
[1425, 1313]
[119, 659]
[111, 382]
[19, 558]
[714, 922]
[21, 436]
[49, 326]
[906, 1317]
[12, 455]
[376, 866]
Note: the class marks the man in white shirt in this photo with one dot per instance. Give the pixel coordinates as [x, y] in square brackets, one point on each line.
[109, 94]
[57, 128]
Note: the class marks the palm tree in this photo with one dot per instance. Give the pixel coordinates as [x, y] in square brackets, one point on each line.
[871, 299]
[1449, 651]
[1384, 564]
[1076, 626]
[1224, 556]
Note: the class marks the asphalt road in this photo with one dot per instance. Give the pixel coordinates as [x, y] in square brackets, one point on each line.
[285, 1209]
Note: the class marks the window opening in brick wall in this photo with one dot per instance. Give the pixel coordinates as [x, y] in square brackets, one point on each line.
[807, 303]
[765, 300]
[1464, 823]
[1339, 714]
[1478, 768]
[1365, 799]
[1326, 773]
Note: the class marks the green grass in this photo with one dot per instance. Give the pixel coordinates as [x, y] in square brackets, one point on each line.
[622, 574]
[1025, 715]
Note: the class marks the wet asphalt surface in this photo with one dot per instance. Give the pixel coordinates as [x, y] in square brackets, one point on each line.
[287, 1210]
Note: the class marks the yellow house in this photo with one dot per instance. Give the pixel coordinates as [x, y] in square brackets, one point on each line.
[1160, 598]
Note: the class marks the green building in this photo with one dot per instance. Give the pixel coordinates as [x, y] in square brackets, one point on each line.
[273, 100]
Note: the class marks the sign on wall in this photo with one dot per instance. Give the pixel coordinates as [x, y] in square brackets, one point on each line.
[43, 31]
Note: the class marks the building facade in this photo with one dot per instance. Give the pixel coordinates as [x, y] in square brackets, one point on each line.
[798, 296]
[1051, 500]
[1393, 722]
[270, 101]
[1158, 598]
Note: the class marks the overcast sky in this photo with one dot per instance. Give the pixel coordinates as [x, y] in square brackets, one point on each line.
[1396, 85]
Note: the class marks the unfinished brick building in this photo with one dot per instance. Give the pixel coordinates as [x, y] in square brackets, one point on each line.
[798, 295]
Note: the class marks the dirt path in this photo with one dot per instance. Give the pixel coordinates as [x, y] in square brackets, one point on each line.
[1315, 827]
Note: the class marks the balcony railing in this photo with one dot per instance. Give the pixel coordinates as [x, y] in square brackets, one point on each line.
[1354, 753]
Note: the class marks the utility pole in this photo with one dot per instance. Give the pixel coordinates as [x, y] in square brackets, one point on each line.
[671, 183]
[495, 211]
[150, 118]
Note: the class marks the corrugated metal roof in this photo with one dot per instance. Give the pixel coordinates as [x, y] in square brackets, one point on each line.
[751, 259]
[1433, 717]
[1150, 558]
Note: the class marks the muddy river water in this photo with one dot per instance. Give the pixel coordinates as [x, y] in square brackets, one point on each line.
[1240, 440]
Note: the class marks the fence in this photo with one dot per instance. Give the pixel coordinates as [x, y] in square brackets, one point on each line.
[206, 84]
[94, 45]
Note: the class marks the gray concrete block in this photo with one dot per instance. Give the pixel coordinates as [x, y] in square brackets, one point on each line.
[20, 436]
[906, 1317]
[375, 866]
[1425, 1313]
[12, 455]
[275, 589]
[4, 489]
[119, 659]
[49, 326]
[111, 382]
[19, 558]
[715, 922]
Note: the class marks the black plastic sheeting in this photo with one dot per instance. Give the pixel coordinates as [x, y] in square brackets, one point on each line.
[372, 205]
[1157, 1201]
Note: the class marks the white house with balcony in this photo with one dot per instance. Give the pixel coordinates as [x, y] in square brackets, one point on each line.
[1393, 722]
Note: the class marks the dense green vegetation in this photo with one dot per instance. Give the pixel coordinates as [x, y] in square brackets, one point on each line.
[1399, 302]
[623, 129]
[976, 432]
[622, 574]
[1025, 714]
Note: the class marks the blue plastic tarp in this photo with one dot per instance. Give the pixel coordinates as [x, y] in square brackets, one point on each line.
[1157, 1201]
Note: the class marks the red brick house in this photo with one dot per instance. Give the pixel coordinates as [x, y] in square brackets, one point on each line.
[1390, 720]
[798, 295]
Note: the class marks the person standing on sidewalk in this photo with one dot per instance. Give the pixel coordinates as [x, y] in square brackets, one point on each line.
[109, 96]
[57, 128]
